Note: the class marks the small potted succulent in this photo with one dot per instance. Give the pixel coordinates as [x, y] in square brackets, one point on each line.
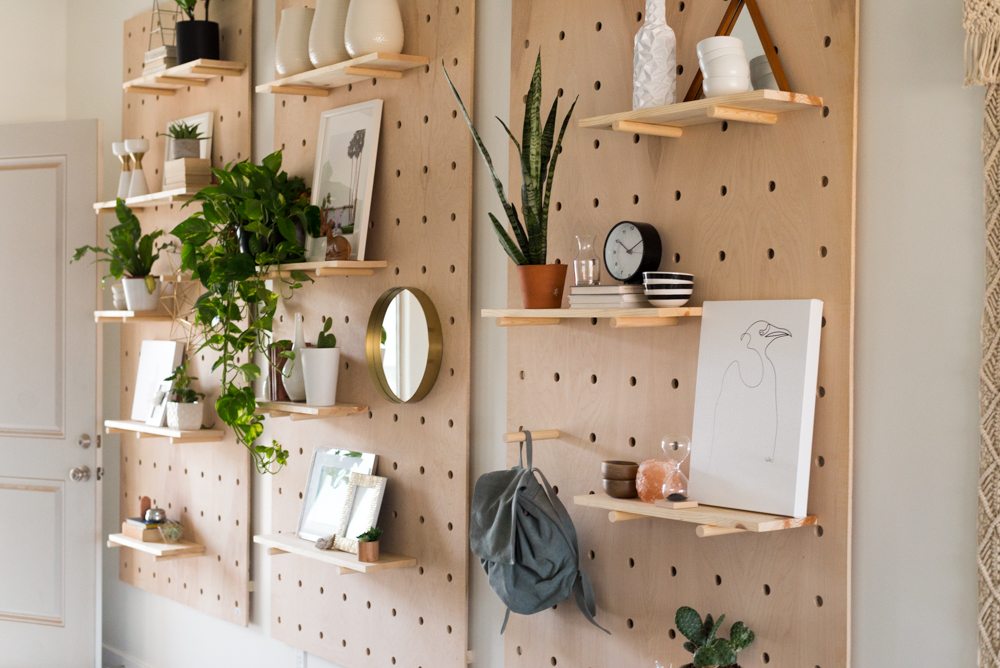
[368, 545]
[708, 649]
[130, 255]
[196, 39]
[321, 366]
[185, 411]
[184, 140]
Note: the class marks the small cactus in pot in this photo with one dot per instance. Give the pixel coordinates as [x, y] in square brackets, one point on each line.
[708, 649]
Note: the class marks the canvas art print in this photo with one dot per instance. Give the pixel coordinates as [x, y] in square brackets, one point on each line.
[157, 361]
[345, 176]
[754, 405]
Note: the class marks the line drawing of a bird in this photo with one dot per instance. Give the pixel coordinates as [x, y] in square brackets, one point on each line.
[746, 410]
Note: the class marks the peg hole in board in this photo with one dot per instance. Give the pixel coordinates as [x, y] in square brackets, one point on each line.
[631, 441]
[671, 634]
[673, 571]
[765, 657]
[767, 590]
[632, 381]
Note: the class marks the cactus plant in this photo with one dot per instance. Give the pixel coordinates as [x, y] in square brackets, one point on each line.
[707, 648]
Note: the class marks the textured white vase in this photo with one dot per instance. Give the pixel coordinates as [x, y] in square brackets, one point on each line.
[291, 375]
[185, 417]
[373, 25]
[654, 78]
[326, 37]
[291, 52]
[321, 366]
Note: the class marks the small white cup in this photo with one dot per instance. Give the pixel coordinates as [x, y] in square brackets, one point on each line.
[719, 86]
[727, 66]
[710, 44]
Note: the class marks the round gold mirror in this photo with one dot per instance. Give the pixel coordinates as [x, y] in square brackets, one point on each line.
[404, 345]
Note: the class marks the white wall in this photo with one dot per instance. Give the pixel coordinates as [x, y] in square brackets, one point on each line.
[33, 50]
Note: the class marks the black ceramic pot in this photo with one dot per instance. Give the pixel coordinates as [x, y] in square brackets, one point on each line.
[197, 39]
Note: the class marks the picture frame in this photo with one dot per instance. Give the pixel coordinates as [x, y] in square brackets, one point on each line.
[344, 175]
[158, 416]
[204, 121]
[157, 361]
[364, 503]
[326, 492]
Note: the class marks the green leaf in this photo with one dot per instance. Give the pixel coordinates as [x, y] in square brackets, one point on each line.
[272, 163]
[507, 243]
[531, 165]
[713, 630]
[556, 151]
[689, 623]
[740, 637]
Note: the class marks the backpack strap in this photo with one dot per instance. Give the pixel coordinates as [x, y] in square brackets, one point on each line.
[525, 447]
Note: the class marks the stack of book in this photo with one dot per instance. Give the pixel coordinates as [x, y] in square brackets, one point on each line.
[159, 60]
[186, 174]
[607, 296]
[140, 529]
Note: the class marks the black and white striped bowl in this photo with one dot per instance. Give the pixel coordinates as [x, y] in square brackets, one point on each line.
[668, 297]
[667, 275]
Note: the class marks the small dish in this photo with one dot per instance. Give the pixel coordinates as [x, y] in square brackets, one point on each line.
[646, 275]
[619, 470]
[620, 489]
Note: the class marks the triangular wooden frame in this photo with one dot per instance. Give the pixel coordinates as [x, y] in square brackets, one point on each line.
[726, 28]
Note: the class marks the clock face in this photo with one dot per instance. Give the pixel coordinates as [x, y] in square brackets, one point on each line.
[623, 251]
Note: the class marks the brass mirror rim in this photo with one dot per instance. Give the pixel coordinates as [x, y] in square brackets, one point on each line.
[373, 344]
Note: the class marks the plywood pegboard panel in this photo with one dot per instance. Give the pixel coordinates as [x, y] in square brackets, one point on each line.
[421, 226]
[206, 486]
[755, 213]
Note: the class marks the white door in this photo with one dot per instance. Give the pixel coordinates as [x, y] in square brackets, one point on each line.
[49, 540]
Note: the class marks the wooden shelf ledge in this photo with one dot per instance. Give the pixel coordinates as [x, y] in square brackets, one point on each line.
[321, 81]
[126, 317]
[176, 436]
[711, 521]
[160, 551]
[298, 411]
[536, 435]
[162, 198]
[761, 107]
[195, 73]
[621, 318]
[330, 268]
[346, 563]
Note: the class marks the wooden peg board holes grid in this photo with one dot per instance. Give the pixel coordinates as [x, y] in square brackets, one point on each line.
[754, 212]
[420, 224]
[206, 486]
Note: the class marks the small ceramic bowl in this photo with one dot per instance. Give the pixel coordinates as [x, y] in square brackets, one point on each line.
[620, 489]
[676, 275]
[710, 44]
[719, 86]
[733, 65]
[667, 298]
[619, 470]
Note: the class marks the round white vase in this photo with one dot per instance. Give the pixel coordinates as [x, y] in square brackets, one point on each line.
[372, 26]
[138, 297]
[185, 417]
[321, 366]
[326, 37]
[291, 52]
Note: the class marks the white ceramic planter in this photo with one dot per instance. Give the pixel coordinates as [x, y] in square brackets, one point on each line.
[326, 37]
[185, 417]
[291, 375]
[138, 298]
[321, 367]
[373, 25]
[291, 53]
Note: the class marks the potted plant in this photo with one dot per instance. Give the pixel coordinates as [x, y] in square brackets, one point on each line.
[251, 220]
[185, 140]
[184, 410]
[368, 545]
[321, 366]
[130, 255]
[708, 649]
[196, 39]
[541, 284]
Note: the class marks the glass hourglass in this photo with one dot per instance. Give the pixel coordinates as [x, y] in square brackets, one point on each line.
[587, 264]
[676, 450]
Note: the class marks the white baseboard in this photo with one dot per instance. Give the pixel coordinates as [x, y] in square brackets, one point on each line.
[112, 657]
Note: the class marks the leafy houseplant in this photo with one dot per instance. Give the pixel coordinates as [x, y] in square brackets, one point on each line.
[184, 410]
[321, 366]
[708, 649]
[196, 39]
[368, 545]
[185, 140]
[538, 150]
[253, 219]
[130, 255]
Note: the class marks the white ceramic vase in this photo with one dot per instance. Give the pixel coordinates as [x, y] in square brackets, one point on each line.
[138, 297]
[125, 178]
[326, 37]
[291, 375]
[185, 417]
[654, 74]
[372, 26]
[137, 148]
[291, 52]
[321, 366]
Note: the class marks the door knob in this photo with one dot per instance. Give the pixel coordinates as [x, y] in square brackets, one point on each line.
[80, 474]
[84, 441]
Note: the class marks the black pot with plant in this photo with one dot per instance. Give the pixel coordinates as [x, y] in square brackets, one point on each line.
[196, 38]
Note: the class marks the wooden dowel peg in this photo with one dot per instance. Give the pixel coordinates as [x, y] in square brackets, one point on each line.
[632, 323]
[540, 435]
[290, 89]
[616, 516]
[639, 128]
[526, 322]
[709, 531]
[724, 113]
[373, 73]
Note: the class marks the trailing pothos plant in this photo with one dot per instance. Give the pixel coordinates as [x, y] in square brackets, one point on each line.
[252, 220]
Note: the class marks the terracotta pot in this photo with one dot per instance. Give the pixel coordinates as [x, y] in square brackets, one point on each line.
[368, 551]
[542, 284]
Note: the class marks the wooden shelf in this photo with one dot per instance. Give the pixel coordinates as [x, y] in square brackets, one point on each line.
[298, 411]
[324, 79]
[195, 73]
[176, 436]
[711, 521]
[152, 199]
[760, 106]
[160, 551]
[330, 268]
[346, 562]
[620, 317]
[126, 317]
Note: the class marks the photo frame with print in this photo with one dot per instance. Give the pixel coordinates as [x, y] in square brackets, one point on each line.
[157, 361]
[364, 503]
[344, 175]
[158, 415]
[326, 493]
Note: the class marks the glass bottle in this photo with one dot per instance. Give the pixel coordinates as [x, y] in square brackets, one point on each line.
[587, 264]
[675, 485]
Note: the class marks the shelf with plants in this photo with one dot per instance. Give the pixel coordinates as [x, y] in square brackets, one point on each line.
[329, 268]
[761, 107]
[195, 73]
[159, 551]
[299, 411]
[321, 81]
[152, 199]
[128, 317]
[711, 521]
[620, 317]
[176, 436]
[346, 562]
